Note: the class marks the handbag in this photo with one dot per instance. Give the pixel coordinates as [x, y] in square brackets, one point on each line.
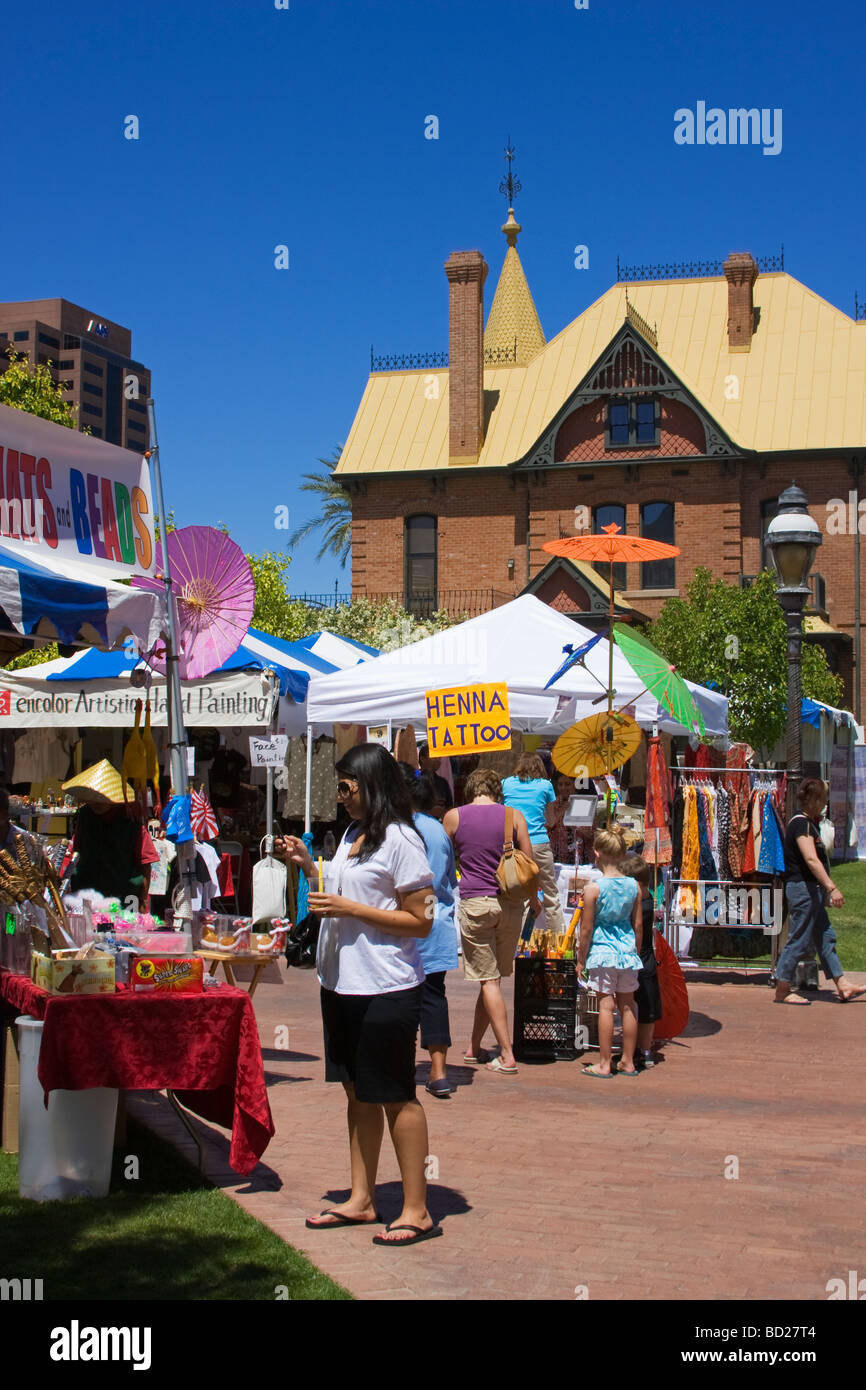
[302, 942]
[269, 890]
[516, 874]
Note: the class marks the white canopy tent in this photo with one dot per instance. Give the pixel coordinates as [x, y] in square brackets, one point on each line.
[521, 644]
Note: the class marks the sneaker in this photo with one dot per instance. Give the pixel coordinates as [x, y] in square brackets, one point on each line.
[646, 1059]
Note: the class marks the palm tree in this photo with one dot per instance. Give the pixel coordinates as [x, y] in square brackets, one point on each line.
[335, 518]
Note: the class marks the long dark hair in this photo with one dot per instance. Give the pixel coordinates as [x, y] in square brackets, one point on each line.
[383, 793]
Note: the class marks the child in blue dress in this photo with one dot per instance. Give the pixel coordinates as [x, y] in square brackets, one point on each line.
[609, 948]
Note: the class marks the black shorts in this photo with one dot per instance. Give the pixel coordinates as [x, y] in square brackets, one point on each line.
[648, 996]
[370, 1042]
[435, 1030]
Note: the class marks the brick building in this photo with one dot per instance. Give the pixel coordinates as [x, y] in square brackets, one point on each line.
[92, 359]
[680, 408]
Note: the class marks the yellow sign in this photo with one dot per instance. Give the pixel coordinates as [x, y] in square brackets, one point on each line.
[468, 719]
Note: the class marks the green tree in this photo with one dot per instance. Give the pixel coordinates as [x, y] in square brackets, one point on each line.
[34, 656]
[380, 623]
[334, 521]
[36, 391]
[735, 639]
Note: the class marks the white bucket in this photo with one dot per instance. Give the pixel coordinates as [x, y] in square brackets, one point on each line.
[64, 1150]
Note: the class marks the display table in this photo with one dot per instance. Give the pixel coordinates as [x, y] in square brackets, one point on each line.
[253, 958]
[203, 1047]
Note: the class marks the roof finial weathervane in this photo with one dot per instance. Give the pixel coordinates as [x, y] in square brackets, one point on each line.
[509, 185]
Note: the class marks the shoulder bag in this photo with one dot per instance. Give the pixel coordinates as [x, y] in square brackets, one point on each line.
[517, 874]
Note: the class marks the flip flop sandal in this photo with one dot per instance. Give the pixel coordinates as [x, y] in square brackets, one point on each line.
[597, 1075]
[441, 1089]
[480, 1060]
[419, 1235]
[620, 1072]
[338, 1221]
[855, 994]
[496, 1065]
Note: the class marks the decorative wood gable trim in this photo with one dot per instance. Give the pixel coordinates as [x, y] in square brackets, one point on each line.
[629, 366]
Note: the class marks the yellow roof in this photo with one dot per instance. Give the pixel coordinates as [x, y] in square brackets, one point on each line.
[801, 385]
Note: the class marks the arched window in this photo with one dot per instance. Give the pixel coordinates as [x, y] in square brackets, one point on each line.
[657, 524]
[419, 565]
[603, 516]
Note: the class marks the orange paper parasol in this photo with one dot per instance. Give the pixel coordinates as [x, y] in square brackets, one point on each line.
[675, 995]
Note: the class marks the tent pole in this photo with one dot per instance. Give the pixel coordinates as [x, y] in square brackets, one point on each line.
[177, 741]
[269, 771]
[308, 792]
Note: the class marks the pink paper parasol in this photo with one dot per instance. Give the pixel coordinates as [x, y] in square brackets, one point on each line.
[215, 592]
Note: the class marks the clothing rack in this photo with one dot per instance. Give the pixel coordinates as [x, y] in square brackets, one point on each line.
[765, 779]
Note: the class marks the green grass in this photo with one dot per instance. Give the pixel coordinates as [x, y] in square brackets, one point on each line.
[168, 1235]
[850, 921]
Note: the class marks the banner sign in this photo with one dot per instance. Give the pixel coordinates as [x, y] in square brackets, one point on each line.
[269, 750]
[468, 719]
[71, 497]
[234, 699]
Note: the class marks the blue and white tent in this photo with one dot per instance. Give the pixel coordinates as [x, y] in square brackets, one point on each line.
[97, 689]
[71, 604]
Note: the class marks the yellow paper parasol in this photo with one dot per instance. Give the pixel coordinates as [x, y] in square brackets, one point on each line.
[596, 745]
[100, 785]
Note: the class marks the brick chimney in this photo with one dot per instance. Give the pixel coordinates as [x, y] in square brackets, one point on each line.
[466, 271]
[741, 272]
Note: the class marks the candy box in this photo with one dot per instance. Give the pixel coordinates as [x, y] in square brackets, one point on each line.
[66, 975]
[177, 974]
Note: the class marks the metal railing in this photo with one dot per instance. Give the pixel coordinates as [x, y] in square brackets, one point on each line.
[690, 270]
[817, 584]
[454, 602]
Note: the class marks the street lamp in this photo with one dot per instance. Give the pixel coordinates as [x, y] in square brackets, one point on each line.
[792, 538]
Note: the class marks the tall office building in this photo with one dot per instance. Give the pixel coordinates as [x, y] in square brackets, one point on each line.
[91, 357]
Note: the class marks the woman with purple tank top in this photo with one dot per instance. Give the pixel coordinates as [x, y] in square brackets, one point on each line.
[489, 926]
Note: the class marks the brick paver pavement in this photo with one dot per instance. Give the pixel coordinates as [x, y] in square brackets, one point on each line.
[549, 1183]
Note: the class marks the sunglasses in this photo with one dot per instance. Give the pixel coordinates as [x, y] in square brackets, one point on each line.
[346, 788]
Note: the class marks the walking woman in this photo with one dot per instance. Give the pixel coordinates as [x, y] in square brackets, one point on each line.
[439, 949]
[807, 883]
[530, 791]
[376, 905]
[489, 925]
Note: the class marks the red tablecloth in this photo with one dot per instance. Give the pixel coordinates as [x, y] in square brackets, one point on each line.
[204, 1047]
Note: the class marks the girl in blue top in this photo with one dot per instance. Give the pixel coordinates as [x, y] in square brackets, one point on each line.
[530, 791]
[438, 951]
[609, 948]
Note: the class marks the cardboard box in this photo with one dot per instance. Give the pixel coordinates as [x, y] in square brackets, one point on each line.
[93, 975]
[178, 974]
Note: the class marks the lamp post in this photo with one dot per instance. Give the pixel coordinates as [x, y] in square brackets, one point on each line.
[792, 538]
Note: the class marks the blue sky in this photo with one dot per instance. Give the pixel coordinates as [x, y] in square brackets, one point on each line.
[305, 127]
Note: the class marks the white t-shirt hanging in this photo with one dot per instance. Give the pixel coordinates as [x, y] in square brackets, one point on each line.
[354, 957]
[167, 851]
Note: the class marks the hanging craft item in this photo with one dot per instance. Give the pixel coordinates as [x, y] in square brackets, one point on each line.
[134, 765]
[596, 745]
[151, 758]
[215, 593]
[202, 816]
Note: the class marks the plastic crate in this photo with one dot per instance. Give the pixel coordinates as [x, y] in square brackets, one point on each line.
[587, 1017]
[545, 996]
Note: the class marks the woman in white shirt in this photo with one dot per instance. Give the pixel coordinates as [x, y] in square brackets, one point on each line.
[376, 905]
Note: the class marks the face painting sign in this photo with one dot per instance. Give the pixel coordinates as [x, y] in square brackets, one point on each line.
[71, 497]
[468, 719]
